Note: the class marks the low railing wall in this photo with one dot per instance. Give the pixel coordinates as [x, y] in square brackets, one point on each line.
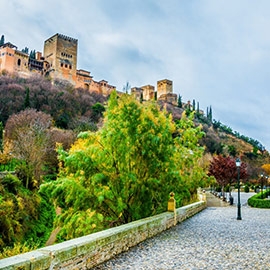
[88, 251]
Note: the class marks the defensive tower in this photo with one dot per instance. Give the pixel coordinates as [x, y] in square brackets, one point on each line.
[60, 52]
[164, 87]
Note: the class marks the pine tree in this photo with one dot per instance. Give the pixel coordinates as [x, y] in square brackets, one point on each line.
[198, 108]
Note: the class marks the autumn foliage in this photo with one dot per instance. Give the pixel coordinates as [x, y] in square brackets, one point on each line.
[225, 171]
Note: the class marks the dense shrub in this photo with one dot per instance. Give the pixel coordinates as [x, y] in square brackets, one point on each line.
[26, 217]
[259, 201]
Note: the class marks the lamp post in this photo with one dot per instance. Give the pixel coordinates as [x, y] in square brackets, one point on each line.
[262, 176]
[238, 164]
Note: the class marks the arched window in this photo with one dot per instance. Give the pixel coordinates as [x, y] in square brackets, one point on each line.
[19, 62]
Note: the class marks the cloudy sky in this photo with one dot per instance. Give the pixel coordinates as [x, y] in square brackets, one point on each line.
[214, 51]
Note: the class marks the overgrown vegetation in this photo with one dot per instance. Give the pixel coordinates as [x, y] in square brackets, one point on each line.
[118, 169]
[25, 217]
[127, 169]
[69, 108]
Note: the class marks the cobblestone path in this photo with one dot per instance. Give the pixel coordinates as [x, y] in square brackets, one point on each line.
[213, 239]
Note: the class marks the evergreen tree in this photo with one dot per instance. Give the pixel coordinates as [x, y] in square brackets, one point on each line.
[1, 136]
[2, 40]
[179, 102]
[198, 108]
[25, 50]
[32, 54]
[27, 100]
[193, 105]
[210, 114]
[141, 98]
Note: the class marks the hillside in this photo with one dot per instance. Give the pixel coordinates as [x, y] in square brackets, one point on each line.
[78, 110]
[221, 139]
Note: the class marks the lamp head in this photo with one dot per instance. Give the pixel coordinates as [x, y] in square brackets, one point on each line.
[238, 162]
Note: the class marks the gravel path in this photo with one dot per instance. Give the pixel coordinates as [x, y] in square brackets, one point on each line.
[213, 239]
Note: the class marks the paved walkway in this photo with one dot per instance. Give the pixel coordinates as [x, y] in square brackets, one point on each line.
[213, 239]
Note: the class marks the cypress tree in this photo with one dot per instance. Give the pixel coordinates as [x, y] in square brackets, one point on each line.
[179, 102]
[193, 105]
[198, 108]
[32, 54]
[210, 114]
[25, 50]
[1, 136]
[2, 40]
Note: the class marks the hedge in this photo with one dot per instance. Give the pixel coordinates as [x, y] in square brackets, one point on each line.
[259, 201]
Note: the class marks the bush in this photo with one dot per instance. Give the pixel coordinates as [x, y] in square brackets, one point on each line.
[246, 189]
[258, 200]
[11, 183]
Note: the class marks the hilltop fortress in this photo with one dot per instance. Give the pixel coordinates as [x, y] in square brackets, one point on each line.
[59, 61]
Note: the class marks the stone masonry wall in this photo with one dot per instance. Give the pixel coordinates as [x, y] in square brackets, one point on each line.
[88, 251]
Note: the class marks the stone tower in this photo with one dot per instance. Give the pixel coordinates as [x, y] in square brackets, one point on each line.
[148, 92]
[60, 52]
[164, 87]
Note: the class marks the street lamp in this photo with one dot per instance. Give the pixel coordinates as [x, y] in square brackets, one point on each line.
[262, 176]
[238, 164]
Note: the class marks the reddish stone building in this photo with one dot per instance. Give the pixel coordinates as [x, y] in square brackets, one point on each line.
[59, 61]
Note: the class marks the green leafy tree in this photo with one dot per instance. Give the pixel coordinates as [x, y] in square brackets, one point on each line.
[98, 110]
[25, 217]
[126, 170]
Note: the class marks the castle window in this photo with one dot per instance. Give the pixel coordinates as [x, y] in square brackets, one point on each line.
[19, 62]
[66, 65]
[69, 66]
[62, 64]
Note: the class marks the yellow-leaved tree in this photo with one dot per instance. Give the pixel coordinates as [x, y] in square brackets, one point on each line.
[126, 170]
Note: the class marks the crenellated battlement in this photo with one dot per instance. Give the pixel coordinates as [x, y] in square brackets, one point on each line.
[68, 38]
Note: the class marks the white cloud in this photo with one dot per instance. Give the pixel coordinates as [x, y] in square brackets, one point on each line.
[216, 52]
